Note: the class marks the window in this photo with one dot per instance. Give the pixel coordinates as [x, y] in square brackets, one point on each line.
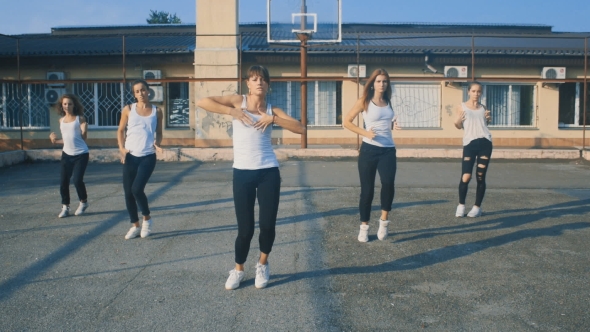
[571, 104]
[26, 98]
[178, 107]
[103, 102]
[416, 105]
[323, 103]
[511, 105]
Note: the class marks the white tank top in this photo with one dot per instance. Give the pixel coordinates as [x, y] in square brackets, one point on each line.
[379, 119]
[253, 147]
[475, 126]
[72, 137]
[141, 132]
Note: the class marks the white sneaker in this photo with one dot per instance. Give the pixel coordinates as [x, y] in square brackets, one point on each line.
[382, 232]
[146, 228]
[133, 233]
[235, 277]
[81, 208]
[475, 212]
[460, 211]
[364, 233]
[262, 275]
[65, 211]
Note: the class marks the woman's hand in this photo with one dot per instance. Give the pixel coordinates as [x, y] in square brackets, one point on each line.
[395, 125]
[370, 133]
[460, 119]
[264, 121]
[123, 153]
[53, 138]
[488, 116]
[158, 148]
[241, 116]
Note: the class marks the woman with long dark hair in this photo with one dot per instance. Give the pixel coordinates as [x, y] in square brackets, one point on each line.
[377, 152]
[139, 136]
[255, 169]
[74, 156]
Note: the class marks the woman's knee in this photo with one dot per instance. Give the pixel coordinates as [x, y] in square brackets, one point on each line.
[466, 177]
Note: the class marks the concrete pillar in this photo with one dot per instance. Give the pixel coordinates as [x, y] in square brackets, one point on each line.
[216, 56]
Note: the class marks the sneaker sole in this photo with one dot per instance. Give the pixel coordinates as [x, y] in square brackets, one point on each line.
[260, 287]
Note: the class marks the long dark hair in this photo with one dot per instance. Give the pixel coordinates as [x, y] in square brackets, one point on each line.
[78, 108]
[369, 91]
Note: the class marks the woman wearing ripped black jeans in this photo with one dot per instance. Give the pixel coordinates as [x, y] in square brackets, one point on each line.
[473, 118]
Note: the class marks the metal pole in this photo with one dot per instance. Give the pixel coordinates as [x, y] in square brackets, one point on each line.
[18, 92]
[240, 66]
[472, 58]
[124, 65]
[358, 87]
[303, 37]
[585, 91]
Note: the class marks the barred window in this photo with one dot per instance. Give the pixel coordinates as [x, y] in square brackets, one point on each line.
[178, 105]
[511, 105]
[571, 105]
[26, 98]
[323, 104]
[416, 105]
[103, 102]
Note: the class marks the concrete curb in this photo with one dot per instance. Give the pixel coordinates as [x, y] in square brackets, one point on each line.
[226, 154]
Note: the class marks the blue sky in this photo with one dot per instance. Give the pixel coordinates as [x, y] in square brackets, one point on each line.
[38, 16]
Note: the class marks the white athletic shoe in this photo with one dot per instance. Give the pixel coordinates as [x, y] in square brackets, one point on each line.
[460, 211]
[364, 233]
[262, 275]
[65, 211]
[382, 232]
[475, 212]
[132, 233]
[81, 208]
[235, 277]
[146, 228]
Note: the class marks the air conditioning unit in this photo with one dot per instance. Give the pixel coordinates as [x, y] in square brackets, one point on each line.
[456, 71]
[156, 93]
[553, 73]
[360, 70]
[56, 76]
[53, 94]
[152, 74]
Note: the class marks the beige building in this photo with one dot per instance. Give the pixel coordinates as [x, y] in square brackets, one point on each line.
[534, 79]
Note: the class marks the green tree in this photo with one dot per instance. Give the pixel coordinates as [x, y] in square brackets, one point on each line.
[161, 17]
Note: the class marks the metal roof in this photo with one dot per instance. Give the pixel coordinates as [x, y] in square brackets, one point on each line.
[390, 38]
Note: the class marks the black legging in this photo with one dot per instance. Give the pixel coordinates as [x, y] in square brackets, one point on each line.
[482, 149]
[372, 159]
[247, 185]
[73, 167]
[136, 173]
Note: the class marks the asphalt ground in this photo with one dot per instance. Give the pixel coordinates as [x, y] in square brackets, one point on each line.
[522, 266]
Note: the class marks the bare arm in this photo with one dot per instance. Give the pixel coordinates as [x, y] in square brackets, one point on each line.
[159, 137]
[351, 115]
[460, 117]
[285, 121]
[121, 132]
[84, 128]
[53, 137]
[228, 105]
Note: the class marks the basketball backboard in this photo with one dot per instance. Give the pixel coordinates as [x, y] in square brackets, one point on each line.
[320, 20]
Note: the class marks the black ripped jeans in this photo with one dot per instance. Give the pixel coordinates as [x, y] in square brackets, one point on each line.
[373, 159]
[136, 173]
[73, 167]
[481, 149]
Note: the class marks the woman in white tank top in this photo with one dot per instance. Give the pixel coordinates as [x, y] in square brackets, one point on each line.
[377, 152]
[74, 157]
[256, 172]
[139, 136]
[474, 118]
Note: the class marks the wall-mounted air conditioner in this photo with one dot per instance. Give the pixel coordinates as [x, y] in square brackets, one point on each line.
[553, 73]
[156, 93]
[360, 70]
[53, 94]
[152, 74]
[456, 71]
[56, 76]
